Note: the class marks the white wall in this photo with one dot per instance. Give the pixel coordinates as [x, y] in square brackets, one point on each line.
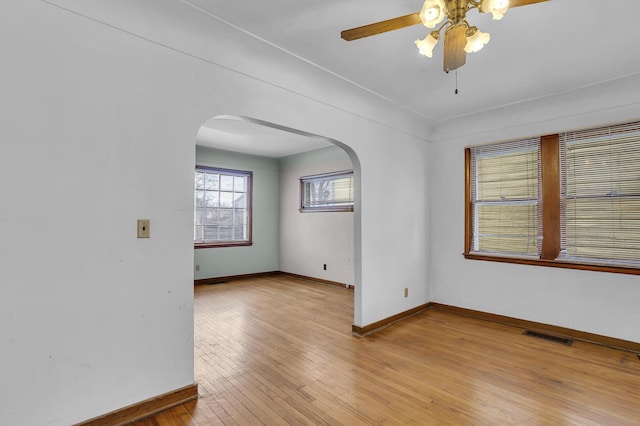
[595, 302]
[91, 318]
[98, 128]
[262, 256]
[310, 240]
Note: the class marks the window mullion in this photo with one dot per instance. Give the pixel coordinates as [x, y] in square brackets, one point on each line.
[468, 202]
[550, 163]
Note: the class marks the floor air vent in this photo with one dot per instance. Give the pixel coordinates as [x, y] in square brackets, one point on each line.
[549, 337]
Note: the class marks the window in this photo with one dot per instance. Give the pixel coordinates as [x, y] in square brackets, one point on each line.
[568, 200]
[222, 207]
[331, 192]
[505, 182]
[601, 194]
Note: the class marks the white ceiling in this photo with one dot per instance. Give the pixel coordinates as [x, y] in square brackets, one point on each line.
[536, 51]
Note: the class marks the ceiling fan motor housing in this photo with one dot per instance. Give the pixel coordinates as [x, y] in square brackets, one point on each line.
[456, 10]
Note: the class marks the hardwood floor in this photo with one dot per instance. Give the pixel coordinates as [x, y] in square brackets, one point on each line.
[279, 350]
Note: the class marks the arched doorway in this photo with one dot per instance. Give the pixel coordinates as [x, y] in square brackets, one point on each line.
[236, 142]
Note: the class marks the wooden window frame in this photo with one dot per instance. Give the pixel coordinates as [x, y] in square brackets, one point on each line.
[551, 226]
[249, 191]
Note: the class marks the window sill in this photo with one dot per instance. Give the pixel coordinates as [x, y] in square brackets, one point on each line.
[555, 263]
[222, 244]
[327, 209]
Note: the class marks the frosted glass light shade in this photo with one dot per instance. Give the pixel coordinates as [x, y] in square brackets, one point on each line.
[433, 12]
[426, 45]
[476, 40]
[496, 7]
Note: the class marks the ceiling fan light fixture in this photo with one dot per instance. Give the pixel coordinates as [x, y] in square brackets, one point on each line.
[447, 18]
[476, 40]
[426, 45]
[433, 12]
[496, 7]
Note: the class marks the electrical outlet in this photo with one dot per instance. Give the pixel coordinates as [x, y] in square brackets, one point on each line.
[406, 292]
[144, 228]
[324, 266]
[197, 268]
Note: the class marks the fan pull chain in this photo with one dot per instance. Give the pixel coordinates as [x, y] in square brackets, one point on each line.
[456, 92]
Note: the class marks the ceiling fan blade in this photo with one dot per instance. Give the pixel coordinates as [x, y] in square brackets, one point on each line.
[516, 3]
[381, 27]
[454, 42]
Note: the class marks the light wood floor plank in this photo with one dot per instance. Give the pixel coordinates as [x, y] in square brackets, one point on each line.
[279, 351]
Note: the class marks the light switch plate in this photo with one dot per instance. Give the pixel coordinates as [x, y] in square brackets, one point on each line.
[144, 228]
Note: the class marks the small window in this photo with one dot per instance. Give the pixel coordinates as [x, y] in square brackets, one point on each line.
[222, 207]
[331, 192]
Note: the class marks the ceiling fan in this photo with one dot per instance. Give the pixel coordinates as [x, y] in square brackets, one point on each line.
[459, 37]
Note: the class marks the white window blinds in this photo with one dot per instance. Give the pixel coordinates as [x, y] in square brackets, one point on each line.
[600, 194]
[327, 192]
[505, 198]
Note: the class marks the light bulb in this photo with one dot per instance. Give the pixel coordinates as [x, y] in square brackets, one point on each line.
[426, 45]
[496, 7]
[476, 40]
[433, 12]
